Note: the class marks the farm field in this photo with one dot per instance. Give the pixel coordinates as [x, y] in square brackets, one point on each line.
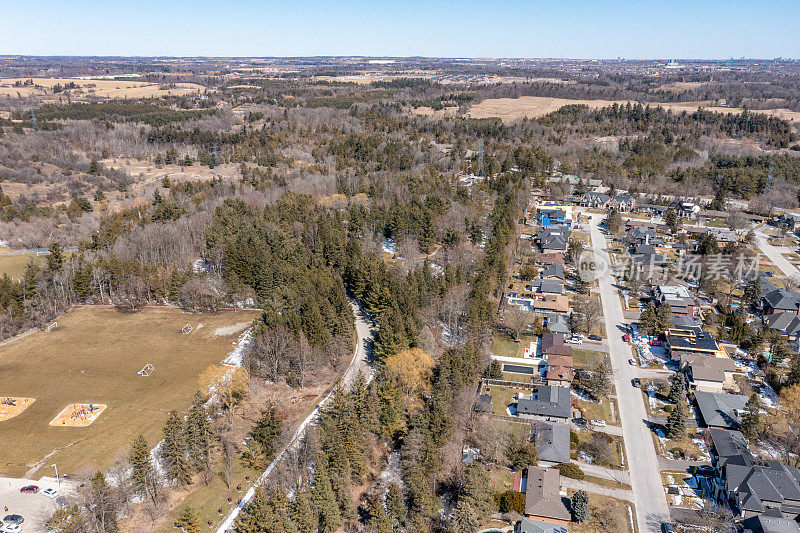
[96, 88]
[93, 356]
[509, 109]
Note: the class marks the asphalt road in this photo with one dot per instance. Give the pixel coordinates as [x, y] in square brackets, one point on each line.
[774, 254]
[648, 492]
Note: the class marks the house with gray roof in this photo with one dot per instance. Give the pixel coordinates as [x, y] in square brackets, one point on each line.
[719, 410]
[545, 402]
[780, 300]
[596, 200]
[553, 238]
[558, 323]
[728, 444]
[754, 486]
[785, 323]
[543, 500]
[553, 272]
[770, 521]
[623, 202]
[546, 286]
[552, 442]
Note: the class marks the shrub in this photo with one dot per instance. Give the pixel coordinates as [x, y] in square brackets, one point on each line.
[512, 501]
[570, 470]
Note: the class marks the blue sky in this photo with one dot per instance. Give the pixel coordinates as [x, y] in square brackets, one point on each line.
[467, 28]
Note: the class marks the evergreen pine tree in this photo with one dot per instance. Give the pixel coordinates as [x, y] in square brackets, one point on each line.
[198, 434]
[648, 321]
[380, 519]
[677, 388]
[751, 418]
[465, 519]
[188, 520]
[580, 506]
[664, 317]
[174, 451]
[142, 471]
[676, 422]
[396, 503]
[303, 513]
[324, 500]
[266, 431]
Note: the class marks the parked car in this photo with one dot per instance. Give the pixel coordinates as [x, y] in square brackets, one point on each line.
[599, 423]
[626, 337]
[632, 361]
[50, 493]
[636, 382]
[29, 489]
[13, 519]
[666, 527]
[11, 528]
[594, 337]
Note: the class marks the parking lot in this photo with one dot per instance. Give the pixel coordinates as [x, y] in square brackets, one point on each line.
[34, 508]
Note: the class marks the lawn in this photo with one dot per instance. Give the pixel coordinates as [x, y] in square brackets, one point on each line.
[596, 410]
[94, 355]
[614, 446]
[580, 237]
[588, 359]
[503, 345]
[502, 397]
[606, 514]
[15, 264]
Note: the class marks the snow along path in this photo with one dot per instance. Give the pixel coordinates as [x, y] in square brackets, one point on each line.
[359, 363]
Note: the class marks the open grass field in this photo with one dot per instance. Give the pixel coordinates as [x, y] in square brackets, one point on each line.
[15, 264]
[510, 109]
[93, 357]
[96, 88]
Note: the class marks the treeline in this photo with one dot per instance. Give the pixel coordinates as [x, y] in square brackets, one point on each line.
[119, 111]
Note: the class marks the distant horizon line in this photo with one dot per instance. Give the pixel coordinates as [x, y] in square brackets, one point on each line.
[393, 57]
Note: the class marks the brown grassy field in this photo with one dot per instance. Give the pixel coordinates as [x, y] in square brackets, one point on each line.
[15, 265]
[509, 109]
[94, 356]
[96, 88]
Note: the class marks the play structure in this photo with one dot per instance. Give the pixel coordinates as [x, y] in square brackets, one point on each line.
[51, 327]
[11, 406]
[78, 415]
[148, 368]
[187, 329]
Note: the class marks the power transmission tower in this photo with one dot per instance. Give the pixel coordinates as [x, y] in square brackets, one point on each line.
[480, 158]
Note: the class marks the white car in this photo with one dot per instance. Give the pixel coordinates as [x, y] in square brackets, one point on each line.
[599, 423]
[50, 493]
[632, 362]
[11, 528]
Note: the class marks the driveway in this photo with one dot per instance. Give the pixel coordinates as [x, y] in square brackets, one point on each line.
[577, 484]
[648, 492]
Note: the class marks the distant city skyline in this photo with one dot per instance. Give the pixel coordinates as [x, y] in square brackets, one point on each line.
[577, 29]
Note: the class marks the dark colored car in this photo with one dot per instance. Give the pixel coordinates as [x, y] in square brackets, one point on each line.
[29, 489]
[666, 527]
[636, 382]
[595, 337]
[13, 519]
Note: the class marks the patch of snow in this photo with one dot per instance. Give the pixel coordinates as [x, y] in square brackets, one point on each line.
[389, 246]
[236, 357]
[229, 330]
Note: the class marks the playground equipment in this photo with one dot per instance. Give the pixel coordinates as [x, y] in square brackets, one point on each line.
[51, 327]
[148, 368]
[187, 329]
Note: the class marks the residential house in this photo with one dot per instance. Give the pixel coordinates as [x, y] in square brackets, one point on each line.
[770, 521]
[637, 235]
[553, 258]
[785, 323]
[652, 209]
[685, 326]
[754, 486]
[552, 442]
[543, 499]
[558, 323]
[545, 403]
[707, 373]
[678, 297]
[529, 525]
[539, 302]
[554, 238]
[790, 221]
[553, 344]
[623, 202]
[560, 370]
[780, 300]
[726, 444]
[553, 272]
[685, 209]
[546, 286]
[596, 200]
[547, 217]
[720, 410]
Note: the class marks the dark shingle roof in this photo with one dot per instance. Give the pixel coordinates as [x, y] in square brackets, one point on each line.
[782, 299]
[552, 441]
[786, 323]
[549, 401]
[720, 409]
